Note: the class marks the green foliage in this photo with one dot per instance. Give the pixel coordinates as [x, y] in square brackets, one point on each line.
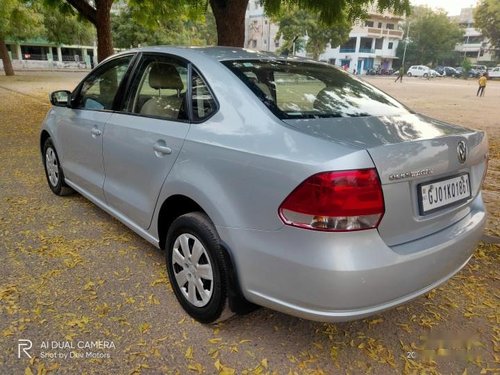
[132, 28]
[466, 66]
[18, 19]
[330, 12]
[432, 37]
[63, 27]
[487, 19]
[300, 22]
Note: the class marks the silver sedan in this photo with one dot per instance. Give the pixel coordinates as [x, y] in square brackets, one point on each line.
[270, 181]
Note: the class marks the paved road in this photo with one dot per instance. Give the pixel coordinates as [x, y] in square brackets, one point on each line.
[72, 275]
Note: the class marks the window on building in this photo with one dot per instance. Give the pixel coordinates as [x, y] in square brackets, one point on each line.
[380, 25]
[276, 43]
[369, 23]
[390, 26]
[365, 45]
[349, 46]
[390, 45]
[379, 43]
[473, 39]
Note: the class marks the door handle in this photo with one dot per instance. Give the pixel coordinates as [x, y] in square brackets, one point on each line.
[95, 132]
[161, 148]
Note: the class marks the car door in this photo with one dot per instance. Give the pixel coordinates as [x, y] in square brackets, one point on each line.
[80, 131]
[142, 142]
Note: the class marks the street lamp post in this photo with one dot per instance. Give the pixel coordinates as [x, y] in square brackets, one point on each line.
[406, 45]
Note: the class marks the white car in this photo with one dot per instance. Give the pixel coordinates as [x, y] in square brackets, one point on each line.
[434, 73]
[419, 71]
[494, 73]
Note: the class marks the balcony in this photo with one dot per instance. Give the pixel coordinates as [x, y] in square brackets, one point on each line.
[347, 50]
[366, 50]
[373, 31]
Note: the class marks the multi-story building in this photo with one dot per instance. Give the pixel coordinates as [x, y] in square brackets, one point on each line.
[372, 44]
[474, 45]
[260, 32]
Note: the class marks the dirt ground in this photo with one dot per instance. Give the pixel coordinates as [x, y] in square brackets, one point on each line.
[71, 274]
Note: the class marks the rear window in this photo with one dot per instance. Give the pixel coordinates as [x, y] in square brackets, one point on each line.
[293, 90]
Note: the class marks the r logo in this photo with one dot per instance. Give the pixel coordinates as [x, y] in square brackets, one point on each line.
[23, 345]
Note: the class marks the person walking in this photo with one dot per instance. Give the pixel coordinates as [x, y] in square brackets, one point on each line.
[400, 75]
[482, 85]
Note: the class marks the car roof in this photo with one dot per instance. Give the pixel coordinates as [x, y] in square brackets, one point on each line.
[217, 53]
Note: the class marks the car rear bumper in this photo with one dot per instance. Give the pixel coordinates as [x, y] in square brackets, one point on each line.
[345, 276]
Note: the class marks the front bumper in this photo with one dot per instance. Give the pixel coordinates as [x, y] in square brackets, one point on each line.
[345, 276]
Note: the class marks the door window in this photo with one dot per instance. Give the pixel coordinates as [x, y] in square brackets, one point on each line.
[159, 89]
[203, 101]
[99, 89]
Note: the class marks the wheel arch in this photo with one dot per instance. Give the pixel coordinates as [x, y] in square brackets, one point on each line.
[43, 137]
[177, 205]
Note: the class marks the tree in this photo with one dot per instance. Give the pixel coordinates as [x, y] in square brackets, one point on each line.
[487, 19]
[136, 25]
[17, 20]
[130, 30]
[230, 14]
[432, 37]
[66, 28]
[98, 13]
[299, 23]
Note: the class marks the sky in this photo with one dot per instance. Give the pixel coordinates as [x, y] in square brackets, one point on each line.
[451, 6]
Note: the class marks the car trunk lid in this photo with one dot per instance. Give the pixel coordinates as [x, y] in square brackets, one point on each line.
[412, 154]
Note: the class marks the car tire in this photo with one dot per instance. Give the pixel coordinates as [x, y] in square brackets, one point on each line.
[409, 74]
[425, 75]
[53, 170]
[197, 268]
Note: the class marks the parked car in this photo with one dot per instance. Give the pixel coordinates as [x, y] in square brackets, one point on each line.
[494, 73]
[471, 74]
[281, 182]
[434, 73]
[418, 71]
[446, 71]
[480, 68]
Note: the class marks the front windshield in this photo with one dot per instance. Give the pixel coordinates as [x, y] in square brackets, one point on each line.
[293, 90]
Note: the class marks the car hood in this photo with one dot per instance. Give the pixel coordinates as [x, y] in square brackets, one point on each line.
[370, 132]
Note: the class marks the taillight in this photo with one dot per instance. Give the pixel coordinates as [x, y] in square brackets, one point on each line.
[336, 201]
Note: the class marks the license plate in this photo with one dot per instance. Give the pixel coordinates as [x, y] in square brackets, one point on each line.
[443, 193]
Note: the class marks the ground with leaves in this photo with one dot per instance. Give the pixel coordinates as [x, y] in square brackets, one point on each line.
[71, 273]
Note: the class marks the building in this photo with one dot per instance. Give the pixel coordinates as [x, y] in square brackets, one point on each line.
[474, 45]
[260, 32]
[41, 54]
[372, 44]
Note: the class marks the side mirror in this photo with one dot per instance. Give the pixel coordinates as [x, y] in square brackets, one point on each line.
[60, 98]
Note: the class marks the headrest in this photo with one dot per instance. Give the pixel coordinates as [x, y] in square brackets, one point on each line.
[164, 76]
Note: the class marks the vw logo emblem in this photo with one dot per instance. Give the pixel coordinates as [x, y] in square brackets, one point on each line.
[462, 152]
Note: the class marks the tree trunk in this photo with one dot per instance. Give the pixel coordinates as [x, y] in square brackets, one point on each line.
[230, 19]
[4, 55]
[103, 28]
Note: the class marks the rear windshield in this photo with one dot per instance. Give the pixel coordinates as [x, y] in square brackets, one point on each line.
[294, 90]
